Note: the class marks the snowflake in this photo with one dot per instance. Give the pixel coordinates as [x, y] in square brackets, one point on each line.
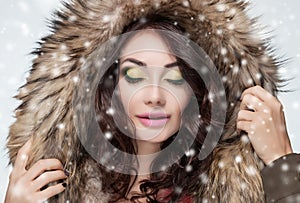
[238, 159]
[245, 139]
[23, 6]
[110, 111]
[221, 7]
[258, 76]
[75, 79]
[178, 190]
[201, 17]
[72, 18]
[3, 29]
[208, 128]
[25, 30]
[63, 47]
[223, 51]
[204, 70]
[82, 60]
[250, 81]
[106, 18]
[64, 58]
[236, 69]
[232, 11]
[108, 135]
[10, 46]
[251, 171]
[204, 178]
[163, 168]
[244, 62]
[24, 157]
[231, 26]
[190, 152]
[221, 164]
[285, 167]
[188, 168]
[219, 32]
[295, 105]
[243, 185]
[185, 3]
[87, 44]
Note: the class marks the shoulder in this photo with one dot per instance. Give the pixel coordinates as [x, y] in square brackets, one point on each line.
[281, 178]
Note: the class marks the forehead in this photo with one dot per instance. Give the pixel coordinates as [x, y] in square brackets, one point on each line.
[147, 45]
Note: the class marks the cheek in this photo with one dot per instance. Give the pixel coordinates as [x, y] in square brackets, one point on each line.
[129, 99]
[124, 96]
[180, 100]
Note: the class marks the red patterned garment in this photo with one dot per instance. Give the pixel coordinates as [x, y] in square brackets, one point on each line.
[162, 197]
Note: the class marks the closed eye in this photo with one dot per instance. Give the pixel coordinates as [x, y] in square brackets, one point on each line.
[133, 74]
[174, 77]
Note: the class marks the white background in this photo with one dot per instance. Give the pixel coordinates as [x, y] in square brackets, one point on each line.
[23, 22]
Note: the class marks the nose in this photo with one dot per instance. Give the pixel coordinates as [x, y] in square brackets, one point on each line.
[154, 96]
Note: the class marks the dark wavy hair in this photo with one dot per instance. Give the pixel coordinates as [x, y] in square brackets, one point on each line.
[195, 127]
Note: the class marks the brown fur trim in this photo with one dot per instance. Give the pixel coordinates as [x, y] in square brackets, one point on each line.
[220, 27]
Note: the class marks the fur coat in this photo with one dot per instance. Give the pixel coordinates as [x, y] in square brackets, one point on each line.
[223, 30]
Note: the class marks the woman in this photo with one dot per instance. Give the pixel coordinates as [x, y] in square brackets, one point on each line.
[232, 174]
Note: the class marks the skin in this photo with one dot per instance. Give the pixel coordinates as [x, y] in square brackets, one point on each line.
[24, 185]
[265, 124]
[155, 92]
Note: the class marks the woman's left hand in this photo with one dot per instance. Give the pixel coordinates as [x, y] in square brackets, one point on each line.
[261, 116]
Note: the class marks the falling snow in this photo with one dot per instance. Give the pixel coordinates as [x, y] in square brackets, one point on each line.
[72, 18]
[75, 79]
[250, 170]
[238, 159]
[186, 3]
[285, 167]
[221, 7]
[188, 168]
[108, 135]
[110, 111]
[61, 126]
[19, 31]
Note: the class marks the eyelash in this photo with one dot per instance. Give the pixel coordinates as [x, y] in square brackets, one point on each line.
[175, 82]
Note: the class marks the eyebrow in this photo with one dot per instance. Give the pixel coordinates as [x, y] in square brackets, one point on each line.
[141, 63]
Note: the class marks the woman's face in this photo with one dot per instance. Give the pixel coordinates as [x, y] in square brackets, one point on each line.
[151, 87]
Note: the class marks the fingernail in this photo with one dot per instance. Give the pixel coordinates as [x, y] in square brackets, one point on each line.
[67, 173]
[64, 184]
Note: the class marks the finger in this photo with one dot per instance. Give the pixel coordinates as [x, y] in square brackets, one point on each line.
[251, 102]
[245, 126]
[259, 92]
[245, 115]
[51, 191]
[43, 165]
[22, 156]
[48, 177]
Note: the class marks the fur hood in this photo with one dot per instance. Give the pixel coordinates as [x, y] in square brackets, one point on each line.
[220, 27]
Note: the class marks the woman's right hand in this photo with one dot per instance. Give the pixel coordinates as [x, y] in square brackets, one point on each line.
[25, 185]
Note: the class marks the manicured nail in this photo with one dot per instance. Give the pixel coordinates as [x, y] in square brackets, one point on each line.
[64, 184]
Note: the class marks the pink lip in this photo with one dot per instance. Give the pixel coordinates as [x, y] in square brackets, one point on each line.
[153, 119]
